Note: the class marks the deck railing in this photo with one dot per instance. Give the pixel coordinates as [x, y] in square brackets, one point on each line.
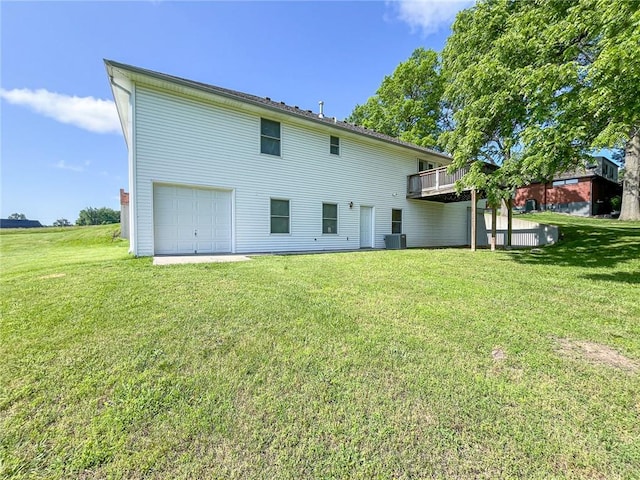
[432, 181]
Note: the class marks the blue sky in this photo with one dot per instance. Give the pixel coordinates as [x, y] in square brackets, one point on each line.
[62, 149]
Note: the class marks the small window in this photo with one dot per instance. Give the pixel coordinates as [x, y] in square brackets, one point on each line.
[396, 221]
[279, 216]
[334, 145]
[558, 183]
[425, 165]
[269, 137]
[329, 218]
[572, 181]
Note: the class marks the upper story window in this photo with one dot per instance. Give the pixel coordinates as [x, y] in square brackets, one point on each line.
[426, 165]
[560, 183]
[396, 221]
[279, 216]
[334, 145]
[269, 137]
[329, 218]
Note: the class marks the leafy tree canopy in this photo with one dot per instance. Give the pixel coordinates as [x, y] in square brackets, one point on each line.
[536, 86]
[98, 216]
[17, 216]
[62, 222]
[407, 104]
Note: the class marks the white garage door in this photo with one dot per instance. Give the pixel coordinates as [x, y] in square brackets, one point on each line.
[191, 220]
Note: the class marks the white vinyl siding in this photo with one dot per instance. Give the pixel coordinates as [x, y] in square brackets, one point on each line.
[191, 142]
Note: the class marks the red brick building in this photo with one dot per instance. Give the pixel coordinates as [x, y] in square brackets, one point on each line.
[585, 191]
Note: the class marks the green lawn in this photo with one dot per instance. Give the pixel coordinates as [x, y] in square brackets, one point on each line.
[383, 364]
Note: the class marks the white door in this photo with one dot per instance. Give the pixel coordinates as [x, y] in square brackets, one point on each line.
[366, 227]
[191, 220]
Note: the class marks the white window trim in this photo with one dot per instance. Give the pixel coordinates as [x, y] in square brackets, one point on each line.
[288, 234]
[339, 145]
[260, 135]
[332, 234]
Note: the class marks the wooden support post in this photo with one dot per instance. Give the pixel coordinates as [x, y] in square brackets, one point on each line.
[509, 221]
[474, 219]
[494, 217]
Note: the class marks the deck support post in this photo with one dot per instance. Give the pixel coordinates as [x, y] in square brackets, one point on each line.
[474, 218]
[494, 218]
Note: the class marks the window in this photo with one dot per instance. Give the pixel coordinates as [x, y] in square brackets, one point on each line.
[334, 145]
[396, 221]
[424, 165]
[269, 137]
[279, 216]
[329, 218]
[560, 183]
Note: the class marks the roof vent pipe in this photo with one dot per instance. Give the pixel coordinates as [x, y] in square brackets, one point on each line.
[321, 114]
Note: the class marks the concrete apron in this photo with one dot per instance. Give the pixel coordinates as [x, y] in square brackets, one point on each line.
[182, 259]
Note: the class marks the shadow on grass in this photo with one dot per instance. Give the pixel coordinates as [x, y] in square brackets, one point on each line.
[593, 245]
[622, 277]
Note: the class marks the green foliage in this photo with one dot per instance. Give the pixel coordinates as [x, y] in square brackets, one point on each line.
[62, 222]
[536, 86]
[98, 216]
[407, 104]
[616, 202]
[17, 216]
[438, 363]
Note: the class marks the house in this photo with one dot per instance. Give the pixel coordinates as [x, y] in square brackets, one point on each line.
[583, 191]
[124, 214]
[213, 170]
[16, 223]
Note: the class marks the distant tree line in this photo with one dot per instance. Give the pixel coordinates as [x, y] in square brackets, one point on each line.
[97, 216]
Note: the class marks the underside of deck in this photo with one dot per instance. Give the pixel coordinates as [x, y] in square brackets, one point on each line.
[448, 195]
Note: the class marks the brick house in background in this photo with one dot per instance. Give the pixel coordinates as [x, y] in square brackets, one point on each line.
[585, 191]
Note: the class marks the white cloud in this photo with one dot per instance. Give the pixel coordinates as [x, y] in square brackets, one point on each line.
[429, 15]
[74, 168]
[88, 113]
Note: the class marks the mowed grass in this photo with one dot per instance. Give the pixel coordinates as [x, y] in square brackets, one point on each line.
[383, 364]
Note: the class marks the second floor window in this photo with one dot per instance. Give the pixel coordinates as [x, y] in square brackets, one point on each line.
[334, 145]
[269, 137]
[425, 165]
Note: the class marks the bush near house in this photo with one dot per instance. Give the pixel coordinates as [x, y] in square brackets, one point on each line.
[382, 364]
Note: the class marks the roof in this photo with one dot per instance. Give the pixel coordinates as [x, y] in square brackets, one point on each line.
[14, 223]
[267, 103]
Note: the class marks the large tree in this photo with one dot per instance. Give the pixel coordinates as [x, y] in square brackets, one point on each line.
[407, 104]
[536, 86]
[98, 216]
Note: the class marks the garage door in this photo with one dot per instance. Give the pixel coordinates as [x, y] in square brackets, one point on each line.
[191, 220]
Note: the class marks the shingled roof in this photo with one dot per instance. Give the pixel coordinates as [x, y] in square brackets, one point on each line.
[18, 223]
[266, 102]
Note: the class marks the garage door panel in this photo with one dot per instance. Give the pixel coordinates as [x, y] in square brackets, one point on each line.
[191, 220]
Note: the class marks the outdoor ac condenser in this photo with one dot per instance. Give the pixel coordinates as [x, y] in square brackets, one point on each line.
[395, 241]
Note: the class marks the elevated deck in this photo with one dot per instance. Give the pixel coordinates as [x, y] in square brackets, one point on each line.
[439, 186]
